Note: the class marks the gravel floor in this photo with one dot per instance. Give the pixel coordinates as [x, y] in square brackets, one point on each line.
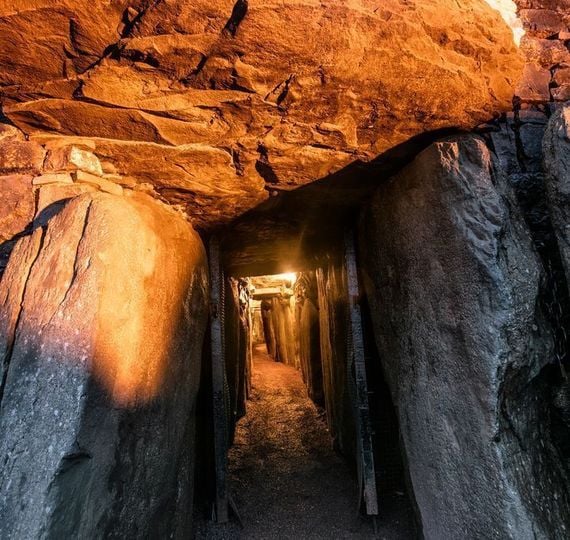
[286, 480]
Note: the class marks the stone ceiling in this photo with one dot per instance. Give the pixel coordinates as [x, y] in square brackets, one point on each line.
[214, 105]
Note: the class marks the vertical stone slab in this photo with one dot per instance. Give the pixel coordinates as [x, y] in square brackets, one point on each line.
[556, 147]
[333, 328]
[96, 420]
[453, 285]
[309, 335]
[268, 328]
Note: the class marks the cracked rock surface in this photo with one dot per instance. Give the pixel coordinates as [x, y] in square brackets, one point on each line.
[214, 103]
[102, 316]
[454, 286]
[557, 166]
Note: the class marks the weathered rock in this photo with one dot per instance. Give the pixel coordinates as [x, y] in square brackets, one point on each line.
[225, 108]
[103, 316]
[16, 204]
[51, 198]
[96, 181]
[21, 157]
[72, 158]
[543, 22]
[17, 207]
[534, 85]
[333, 317]
[545, 52]
[562, 91]
[453, 285]
[8, 132]
[308, 332]
[44, 41]
[52, 178]
[556, 146]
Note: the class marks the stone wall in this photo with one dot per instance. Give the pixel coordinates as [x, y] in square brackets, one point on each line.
[454, 286]
[37, 179]
[545, 46]
[282, 320]
[308, 333]
[333, 318]
[237, 352]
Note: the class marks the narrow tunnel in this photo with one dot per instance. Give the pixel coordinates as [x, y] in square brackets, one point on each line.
[351, 353]
[291, 270]
[295, 464]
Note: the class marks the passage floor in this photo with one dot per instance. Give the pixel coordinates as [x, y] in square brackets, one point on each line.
[286, 480]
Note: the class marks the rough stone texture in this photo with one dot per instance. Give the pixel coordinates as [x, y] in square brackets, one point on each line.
[453, 285]
[557, 167]
[517, 142]
[308, 332]
[285, 338]
[21, 157]
[214, 103]
[103, 316]
[545, 47]
[237, 351]
[17, 205]
[17, 208]
[268, 330]
[333, 317]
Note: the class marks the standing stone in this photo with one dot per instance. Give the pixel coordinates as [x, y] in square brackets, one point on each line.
[556, 147]
[268, 329]
[102, 322]
[309, 335]
[453, 285]
[333, 316]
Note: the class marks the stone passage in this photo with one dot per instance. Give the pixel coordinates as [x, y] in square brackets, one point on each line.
[286, 480]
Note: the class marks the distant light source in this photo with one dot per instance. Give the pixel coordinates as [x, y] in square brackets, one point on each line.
[288, 276]
[508, 10]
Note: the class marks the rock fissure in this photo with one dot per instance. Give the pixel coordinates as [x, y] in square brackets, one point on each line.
[76, 264]
[13, 332]
[239, 11]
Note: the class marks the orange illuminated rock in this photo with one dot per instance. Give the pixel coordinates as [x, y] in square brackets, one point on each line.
[228, 106]
[17, 208]
[102, 318]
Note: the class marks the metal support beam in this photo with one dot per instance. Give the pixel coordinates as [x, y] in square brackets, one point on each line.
[357, 372]
[218, 378]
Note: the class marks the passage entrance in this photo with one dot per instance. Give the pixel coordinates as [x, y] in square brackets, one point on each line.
[289, 349]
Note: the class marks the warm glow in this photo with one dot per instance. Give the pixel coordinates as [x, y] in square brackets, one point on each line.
[508, 10]
[289, 276]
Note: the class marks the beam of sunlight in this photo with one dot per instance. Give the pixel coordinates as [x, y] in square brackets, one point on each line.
[508, 10]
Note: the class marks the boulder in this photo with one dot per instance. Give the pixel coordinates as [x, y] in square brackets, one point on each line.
[218, 106]
[103, 315]
[556, 146]
[453, 285]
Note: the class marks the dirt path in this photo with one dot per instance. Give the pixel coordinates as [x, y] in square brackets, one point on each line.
[286, 480]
